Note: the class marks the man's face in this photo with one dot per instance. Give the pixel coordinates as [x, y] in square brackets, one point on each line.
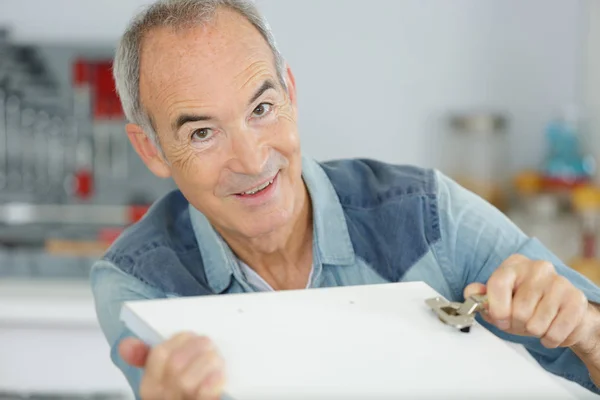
[226, 124]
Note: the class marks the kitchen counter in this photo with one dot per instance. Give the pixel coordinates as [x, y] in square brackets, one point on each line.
[51, 342]
[47, 302]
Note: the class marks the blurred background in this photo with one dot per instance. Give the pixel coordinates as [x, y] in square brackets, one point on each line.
[502, 95]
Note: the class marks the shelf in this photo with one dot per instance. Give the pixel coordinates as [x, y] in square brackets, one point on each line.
[15, 214]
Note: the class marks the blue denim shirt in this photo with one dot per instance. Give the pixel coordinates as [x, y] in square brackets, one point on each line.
[373, 223]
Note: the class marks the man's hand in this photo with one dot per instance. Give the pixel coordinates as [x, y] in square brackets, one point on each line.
[185, 367]
[529, 298]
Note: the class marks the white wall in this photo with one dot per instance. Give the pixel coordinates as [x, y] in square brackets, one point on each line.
[591, 90]
[375, 78]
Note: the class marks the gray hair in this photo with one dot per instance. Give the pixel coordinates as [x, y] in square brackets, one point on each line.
[175, 14]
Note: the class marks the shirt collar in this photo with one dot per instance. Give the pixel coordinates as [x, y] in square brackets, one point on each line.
[331, 235]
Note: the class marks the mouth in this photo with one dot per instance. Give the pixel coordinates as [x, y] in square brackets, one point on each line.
[259, 188]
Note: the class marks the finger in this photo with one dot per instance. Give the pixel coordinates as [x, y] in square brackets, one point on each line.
[515, 259]
[500, 288]
[474, 288]
[568, 318]
[523, 309]
[151, 389]
[528, 295]
[204, 378]
[134, 352]
[213, 386]
[546, 311]
[159, 356]
[582, 333]
[486, 317]
[181, 358]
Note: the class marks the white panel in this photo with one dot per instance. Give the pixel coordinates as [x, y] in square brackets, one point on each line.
[354, 342]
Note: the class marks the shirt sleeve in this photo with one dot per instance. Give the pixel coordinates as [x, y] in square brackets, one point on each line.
[475, 239]
[111, 287]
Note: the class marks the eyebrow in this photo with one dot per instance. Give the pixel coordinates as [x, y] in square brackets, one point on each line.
[185, 118]
[268, 84]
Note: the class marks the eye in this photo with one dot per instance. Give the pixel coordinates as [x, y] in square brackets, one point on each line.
[262, 109]
[202, 134]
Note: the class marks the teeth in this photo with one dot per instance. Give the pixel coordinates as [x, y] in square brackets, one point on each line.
[259, 188]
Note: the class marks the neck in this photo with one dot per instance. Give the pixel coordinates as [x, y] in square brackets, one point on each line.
[283, 258]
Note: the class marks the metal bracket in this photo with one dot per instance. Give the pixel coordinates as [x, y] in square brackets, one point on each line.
[458, 315]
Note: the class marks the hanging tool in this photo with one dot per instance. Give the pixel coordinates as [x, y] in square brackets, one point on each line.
[13, 130]
[458, 315]
[28, 149]
[3, 141]
[56, 157]
[40, 148]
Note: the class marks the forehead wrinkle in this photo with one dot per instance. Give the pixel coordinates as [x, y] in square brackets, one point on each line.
[186, 107]
[206, 44]
[261, 68]
[169, 89]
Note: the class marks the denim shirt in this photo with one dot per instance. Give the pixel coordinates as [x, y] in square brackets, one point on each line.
[373, 223]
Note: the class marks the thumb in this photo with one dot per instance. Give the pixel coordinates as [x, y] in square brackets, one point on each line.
[474, 288]
[134, 352]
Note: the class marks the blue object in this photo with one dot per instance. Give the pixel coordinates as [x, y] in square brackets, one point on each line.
[565, 161]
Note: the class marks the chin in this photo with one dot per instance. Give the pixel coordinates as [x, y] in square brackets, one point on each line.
[261, 226]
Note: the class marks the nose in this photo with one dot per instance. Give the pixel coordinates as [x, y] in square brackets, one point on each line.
[249, 153]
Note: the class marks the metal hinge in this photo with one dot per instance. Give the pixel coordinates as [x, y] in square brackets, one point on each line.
[456, 314]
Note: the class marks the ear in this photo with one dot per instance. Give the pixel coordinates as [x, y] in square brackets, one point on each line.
[147, 151]
[291, 83]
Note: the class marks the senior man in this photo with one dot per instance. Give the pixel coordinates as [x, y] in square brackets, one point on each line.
[212, 105]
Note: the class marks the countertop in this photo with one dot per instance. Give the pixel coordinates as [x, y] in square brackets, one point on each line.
[53, 302]
[52, 343]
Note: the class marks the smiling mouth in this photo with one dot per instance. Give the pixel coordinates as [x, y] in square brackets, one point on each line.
[258, 188]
